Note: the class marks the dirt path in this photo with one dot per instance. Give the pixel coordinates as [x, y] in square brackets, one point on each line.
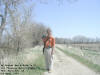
[64, 65]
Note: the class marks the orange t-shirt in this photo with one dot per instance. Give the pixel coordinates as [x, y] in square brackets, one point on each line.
[49, 42]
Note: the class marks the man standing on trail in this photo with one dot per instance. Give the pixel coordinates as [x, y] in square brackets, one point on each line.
[49, 44]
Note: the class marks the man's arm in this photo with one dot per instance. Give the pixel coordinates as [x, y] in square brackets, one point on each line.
[43, 39]
[53, 43]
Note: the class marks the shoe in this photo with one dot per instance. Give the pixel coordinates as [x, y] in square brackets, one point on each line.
[49, 71]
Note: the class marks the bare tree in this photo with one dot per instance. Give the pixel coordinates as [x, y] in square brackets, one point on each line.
[24, 31]
[5, 5]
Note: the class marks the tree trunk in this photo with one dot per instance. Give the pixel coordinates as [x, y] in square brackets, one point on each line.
[3, 21]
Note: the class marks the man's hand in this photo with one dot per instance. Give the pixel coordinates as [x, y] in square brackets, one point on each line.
[52, 52]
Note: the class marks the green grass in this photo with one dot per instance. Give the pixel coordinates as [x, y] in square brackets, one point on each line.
[92, 52]
[37, 64]
[82, 60]
[38, 68]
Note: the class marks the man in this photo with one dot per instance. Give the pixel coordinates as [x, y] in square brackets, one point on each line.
[49, 44]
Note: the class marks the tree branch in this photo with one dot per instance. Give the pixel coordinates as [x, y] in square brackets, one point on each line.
[2, 26]
[1, 15]
[1, 20]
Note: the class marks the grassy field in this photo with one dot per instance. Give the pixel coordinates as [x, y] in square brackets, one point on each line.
[86, 57]
[38, 67]
[32, 57]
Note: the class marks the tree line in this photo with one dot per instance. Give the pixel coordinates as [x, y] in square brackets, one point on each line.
[78, 40]
[18, 29]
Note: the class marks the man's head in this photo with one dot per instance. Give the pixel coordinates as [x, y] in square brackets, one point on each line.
[49, 32]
